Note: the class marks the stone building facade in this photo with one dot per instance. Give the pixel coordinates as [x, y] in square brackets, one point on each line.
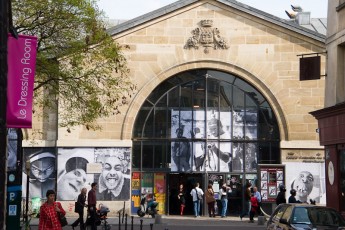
[220, 43]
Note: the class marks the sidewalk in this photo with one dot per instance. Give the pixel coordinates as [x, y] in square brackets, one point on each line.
[174, 222]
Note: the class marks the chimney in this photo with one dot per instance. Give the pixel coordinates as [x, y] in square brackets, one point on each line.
[303, 18]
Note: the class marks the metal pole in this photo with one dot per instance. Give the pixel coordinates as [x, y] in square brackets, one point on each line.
[4, 5]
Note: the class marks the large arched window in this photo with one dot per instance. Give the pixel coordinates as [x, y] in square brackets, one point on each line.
[205, 121]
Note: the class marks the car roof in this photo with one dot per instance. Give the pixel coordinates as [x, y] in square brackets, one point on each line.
[305, 205]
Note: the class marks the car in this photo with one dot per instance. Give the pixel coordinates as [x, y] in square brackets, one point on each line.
[305, 217]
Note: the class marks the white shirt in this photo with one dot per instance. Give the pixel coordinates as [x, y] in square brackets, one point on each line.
[194, 194]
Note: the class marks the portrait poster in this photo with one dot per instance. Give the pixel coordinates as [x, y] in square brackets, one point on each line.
[308, 179]
[72, 172]
[42, 174]
[114, 180]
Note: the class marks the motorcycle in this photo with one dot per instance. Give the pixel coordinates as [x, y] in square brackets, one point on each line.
[148, 205]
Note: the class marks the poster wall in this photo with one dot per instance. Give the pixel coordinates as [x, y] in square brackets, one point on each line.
[78, 168]
[210, 151]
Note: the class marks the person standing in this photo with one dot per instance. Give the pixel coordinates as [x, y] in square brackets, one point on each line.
[281, 195]
[181, 197]
[258, 197]
[197, 194]
[79, 208]
[210, 200]
[247, 196]
[49, 212]
[224, 199]
[292, 198]
[91, 204]
[254, 204]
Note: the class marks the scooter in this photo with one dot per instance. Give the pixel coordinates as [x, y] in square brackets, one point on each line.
[147, 206]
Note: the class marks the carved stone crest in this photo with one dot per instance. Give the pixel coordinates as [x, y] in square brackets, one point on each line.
[206, 36]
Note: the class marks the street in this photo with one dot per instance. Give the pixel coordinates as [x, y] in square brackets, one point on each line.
[176, 223]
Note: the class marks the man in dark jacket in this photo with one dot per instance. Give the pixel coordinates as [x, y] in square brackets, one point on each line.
[281, 195]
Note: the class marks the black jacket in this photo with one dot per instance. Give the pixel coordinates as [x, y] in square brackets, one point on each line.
[280, 198]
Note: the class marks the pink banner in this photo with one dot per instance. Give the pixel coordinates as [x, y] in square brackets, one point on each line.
[21, 61]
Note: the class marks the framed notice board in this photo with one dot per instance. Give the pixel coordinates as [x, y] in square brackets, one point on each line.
[270, 178]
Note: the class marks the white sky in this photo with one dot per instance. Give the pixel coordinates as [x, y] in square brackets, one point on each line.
[128, 9]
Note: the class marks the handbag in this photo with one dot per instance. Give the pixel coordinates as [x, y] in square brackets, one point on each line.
[78, 207]
[62, 219]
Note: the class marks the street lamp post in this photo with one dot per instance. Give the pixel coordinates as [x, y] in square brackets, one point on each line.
[4, 8]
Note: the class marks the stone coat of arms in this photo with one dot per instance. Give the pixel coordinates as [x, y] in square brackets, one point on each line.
[206, 36]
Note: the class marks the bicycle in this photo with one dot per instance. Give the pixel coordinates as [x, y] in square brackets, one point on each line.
[25, 223]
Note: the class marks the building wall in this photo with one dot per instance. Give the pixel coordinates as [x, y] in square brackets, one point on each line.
[260, 52]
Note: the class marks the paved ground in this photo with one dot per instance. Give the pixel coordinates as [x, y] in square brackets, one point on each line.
[174, 223]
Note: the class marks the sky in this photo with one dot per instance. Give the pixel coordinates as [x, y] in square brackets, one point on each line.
[128, 9]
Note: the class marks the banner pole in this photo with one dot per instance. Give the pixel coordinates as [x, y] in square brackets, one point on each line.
[4, 12]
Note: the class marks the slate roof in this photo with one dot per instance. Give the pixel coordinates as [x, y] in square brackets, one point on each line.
[317, 29]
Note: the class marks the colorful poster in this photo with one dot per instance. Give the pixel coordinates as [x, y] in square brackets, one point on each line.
[159, 191]
[21, 72]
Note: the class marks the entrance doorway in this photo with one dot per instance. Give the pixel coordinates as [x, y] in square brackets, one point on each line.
[188, 181]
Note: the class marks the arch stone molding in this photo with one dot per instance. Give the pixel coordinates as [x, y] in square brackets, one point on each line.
[146, 89]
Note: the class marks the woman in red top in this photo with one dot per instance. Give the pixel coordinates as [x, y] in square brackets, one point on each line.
[254, 208]
[49, 213]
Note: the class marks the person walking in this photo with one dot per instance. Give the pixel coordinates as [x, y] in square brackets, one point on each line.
[224, 199]
[79, 208]
[210, 200]
[281, 195]
[181, 197]
[49, 212]
[254, 205]
[247, 196]
[258, 197]
[197, 195]
[91, 205]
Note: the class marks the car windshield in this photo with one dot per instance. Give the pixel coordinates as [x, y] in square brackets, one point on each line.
[317, 216]
[301, 216]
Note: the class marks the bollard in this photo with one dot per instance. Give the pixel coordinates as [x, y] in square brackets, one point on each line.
[151, 226]
[119, 221]
[141, 224]
[132, 222]
[261, 220]
[126, 221]
[158, 219]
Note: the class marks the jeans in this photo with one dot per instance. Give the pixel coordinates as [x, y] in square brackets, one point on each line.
[196, 205]
[224, 206]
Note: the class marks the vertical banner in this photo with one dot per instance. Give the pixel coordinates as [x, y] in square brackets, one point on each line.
[21, 72]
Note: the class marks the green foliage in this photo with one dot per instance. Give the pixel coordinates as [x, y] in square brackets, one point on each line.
[78, 63]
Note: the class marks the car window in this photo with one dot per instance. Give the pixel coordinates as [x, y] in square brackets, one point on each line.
[300, 216]
[287, 213]
[278, 213]
[326, 217]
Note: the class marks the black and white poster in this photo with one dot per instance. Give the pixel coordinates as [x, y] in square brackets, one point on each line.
[114, 179]
[72, 176]
[112, 173]
[42, 174]
[308, 179]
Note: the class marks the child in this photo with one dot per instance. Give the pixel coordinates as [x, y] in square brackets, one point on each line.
[254, 207]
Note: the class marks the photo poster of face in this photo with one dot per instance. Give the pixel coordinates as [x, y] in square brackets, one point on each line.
[42, 174]
[114, 178]
[72, 173]
[308, 179]
[269, 183]
[245, 125]
[135, 198]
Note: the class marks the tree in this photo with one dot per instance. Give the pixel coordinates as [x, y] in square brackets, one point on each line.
[78, 63]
